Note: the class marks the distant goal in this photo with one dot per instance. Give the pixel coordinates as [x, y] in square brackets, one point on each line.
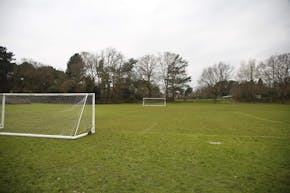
[49, 115]
[154, 102]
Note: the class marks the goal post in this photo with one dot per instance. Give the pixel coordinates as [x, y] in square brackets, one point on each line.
[49, 115]
[154, 102]
[2, 111]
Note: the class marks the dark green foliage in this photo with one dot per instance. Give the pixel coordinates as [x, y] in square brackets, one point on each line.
[76, 76]
[188, 91]
[6, 69]
[177, 77]
[76, 68]
[52, 89]
[28, 77]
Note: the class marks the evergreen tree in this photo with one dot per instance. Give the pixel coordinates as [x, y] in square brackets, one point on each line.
[6, 69]
[177, 77]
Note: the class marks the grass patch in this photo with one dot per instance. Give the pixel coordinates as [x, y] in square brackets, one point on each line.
[157, 149]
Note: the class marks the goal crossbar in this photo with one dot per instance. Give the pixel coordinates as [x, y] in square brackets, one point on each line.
[47, 94]
[74, 136]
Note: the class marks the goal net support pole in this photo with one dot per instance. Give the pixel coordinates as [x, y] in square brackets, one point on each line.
[3, 112]
[93, 130]
[81, 113]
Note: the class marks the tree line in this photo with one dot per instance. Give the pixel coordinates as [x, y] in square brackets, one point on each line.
[266, 81]
[107, 73]
[115, 78]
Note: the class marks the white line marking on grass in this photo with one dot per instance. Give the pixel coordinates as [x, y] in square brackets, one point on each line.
[216, 135]
[247, 136]
[149, 128]
[259, 118]
[225, 135]
[206, 135]
[215, 142]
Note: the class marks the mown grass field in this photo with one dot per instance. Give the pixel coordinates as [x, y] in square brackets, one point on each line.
[157, 149]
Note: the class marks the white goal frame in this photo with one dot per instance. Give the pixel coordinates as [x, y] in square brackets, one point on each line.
[75, 136]
[156, 105]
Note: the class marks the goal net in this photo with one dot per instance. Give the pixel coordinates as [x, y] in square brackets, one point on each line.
[154, 102]
[57, 115]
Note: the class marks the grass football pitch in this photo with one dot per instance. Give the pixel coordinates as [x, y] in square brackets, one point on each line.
[157, 149]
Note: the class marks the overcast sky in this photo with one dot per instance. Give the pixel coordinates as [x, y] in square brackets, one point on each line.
[204, 32]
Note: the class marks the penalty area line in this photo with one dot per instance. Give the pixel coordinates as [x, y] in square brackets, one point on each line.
[147, 131]
[245, 136]
[259, 118]
[216, 135]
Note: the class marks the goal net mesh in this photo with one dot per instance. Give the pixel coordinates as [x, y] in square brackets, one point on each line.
[47, 114]
[154, 102]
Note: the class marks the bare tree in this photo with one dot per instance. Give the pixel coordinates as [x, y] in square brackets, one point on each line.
[275, 72]
[91, 62]
[247, 74]
[109, 70]
[266, 71]
[215, 74]
[146, 68]
[283, 70]
[165, 60]
[247, 71]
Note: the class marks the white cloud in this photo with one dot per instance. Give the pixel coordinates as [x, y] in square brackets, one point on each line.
[202, 31]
